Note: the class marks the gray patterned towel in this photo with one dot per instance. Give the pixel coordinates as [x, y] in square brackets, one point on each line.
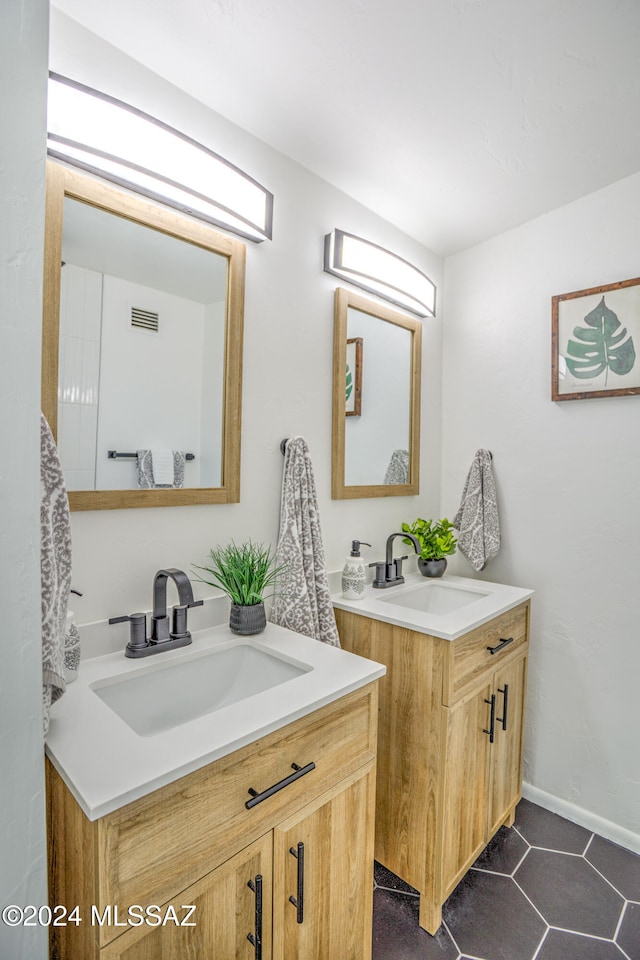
[146, 481]
[55, 569]
[477, 516]
[398, 469]
[302, 601]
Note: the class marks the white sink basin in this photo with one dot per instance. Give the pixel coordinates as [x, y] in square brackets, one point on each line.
[435, 597]
[161, 696]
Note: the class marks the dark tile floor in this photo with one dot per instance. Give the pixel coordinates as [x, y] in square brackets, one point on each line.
[546, 889]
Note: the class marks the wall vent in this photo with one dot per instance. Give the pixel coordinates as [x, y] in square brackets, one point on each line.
[145, 319]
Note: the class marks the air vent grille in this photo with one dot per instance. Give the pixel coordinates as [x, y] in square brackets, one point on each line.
[144, 319]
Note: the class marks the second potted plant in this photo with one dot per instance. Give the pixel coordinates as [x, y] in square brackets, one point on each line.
[244, 573]
[437, 541]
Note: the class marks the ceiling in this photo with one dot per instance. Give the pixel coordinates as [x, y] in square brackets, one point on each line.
[453, 119]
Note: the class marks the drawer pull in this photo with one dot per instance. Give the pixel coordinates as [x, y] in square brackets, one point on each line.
[500, 646]
[298, 901]
[492, 720]
[256, 938]
[269, 792]
[505, 693]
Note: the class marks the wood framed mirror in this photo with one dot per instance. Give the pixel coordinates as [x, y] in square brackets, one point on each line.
[142, 348]
[377, 354]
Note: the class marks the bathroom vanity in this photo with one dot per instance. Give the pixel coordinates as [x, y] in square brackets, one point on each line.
[450, 722]
[269, 837]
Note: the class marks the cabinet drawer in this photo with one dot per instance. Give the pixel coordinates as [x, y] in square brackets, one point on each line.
[159, 843]
[469, 659]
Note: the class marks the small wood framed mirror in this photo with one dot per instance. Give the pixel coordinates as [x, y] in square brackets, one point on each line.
[142, 348]
[377, 355]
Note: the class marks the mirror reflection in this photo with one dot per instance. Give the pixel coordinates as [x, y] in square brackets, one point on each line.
[142, 349]
[376, 399]
[141, 355]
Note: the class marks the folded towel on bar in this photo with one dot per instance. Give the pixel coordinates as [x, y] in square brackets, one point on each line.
[477, 517]
[398, 469]
[55, 569]
[160, 468]
[302, 601]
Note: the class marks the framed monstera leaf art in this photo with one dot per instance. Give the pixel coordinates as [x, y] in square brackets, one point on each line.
[596, 342]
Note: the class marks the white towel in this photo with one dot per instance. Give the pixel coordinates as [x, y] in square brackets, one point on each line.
[302, 601]
[160, 468]
[477, 516]
[162, 461]
[55, 569]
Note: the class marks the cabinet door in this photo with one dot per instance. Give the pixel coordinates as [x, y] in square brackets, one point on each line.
[466, 783]
[227, 911]
[506, 775]
[323, 875]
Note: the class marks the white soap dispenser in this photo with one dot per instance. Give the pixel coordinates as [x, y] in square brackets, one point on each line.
[354, 575]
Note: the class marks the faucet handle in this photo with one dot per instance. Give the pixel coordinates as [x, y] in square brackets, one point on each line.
[380, 577]
[138, 632]
[179, 620]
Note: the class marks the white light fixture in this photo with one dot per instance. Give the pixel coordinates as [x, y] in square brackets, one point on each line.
[126, 146]
[371, 267]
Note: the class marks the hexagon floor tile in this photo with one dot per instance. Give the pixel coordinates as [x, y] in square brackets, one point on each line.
[545, 889]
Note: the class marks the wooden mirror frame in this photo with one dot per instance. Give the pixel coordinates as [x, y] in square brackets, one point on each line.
[65, 182]
[339, 489]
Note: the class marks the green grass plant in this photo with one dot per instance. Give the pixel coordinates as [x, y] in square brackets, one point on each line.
[244, 572]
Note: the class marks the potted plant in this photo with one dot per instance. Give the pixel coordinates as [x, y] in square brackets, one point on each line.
[437, 541]
[244, 573]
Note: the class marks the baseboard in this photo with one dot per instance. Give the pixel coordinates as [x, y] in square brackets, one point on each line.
[591, 821]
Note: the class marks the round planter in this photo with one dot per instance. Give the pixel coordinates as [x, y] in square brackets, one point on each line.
[432, 568]
[247, 620]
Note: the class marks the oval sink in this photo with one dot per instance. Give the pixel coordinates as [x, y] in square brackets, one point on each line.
[435, 597]
[161, 696]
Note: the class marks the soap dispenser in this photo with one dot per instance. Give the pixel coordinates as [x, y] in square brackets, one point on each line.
[354, 574]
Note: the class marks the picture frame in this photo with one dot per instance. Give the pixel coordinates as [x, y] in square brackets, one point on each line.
[595, 342]
[353, 384]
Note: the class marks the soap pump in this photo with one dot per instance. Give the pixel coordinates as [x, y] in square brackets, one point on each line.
[354, 574]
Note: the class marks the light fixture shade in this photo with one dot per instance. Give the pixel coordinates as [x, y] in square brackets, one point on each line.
[371, 267]
[122, 144]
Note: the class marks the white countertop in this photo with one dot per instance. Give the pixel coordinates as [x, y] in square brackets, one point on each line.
[492, 600]
[106, 764]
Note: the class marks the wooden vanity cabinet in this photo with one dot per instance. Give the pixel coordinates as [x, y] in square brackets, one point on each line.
[194, 842]
[449, 745]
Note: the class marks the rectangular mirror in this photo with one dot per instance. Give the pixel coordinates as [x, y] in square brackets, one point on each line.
[142, 349]
[376, 400]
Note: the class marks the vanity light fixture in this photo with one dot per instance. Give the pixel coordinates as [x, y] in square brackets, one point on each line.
[120, 143]
[371, 267]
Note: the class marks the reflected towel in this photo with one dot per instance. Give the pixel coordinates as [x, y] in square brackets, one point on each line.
[477, 516]
[160, 469]
[302, 601]
[55, 569]
[398, 469]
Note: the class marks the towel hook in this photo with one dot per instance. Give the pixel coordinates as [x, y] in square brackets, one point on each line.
[283, 445]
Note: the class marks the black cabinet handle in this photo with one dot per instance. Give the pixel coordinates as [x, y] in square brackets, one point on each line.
[500, 646]
[298, 901]
[505, 693]
[269, 792]
[256, 937]
[492, 721]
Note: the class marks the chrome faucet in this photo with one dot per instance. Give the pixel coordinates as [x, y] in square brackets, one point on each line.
[389, 571]
[162, 638]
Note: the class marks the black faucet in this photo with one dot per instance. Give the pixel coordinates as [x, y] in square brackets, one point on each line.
[389, 571]
[162, 638]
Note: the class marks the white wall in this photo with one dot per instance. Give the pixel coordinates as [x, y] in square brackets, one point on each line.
[287, 386]
[79, 374]
[568, 477]
[150, 381]
[385, 422]
[23, 66]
